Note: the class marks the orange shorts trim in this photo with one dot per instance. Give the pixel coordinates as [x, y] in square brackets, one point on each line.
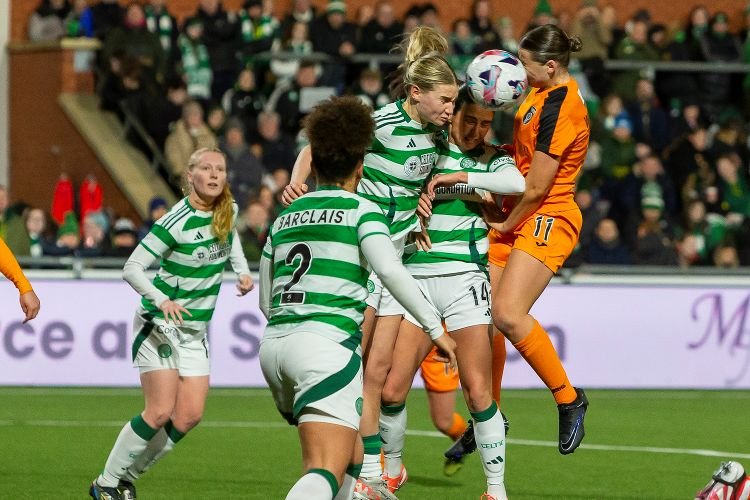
[437, 376]
[549, 238]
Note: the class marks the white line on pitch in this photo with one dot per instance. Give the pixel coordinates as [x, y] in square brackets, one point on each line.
[420, 433]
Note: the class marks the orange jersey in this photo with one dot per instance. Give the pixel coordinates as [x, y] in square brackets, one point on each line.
[554, 121]
[10, 268]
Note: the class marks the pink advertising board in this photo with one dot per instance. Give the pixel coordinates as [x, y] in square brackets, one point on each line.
[608, 336]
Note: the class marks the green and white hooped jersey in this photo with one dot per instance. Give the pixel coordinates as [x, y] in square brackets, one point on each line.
[319, 275]
[456, 228]
[402, 155]
[192, 262]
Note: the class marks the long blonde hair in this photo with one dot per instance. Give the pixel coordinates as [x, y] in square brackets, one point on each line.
[424, 63]
[223, 211]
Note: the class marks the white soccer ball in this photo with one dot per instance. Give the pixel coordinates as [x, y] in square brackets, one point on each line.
[496, 79]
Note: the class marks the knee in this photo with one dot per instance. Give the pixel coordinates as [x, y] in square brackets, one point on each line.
[477, 398]
[392, 394]
[157, 417]
[506, 320]
[184, 423]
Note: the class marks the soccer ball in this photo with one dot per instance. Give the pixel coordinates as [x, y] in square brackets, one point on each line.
[496, 79]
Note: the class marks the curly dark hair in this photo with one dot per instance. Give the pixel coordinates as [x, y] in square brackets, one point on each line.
[340, 130]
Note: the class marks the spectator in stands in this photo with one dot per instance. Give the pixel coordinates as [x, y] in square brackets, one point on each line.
[134, 40]
[542, 15]
[107, 15]
[275, 148]
[650, 120]
[163, 24]
[596, 37]
[47, 22]
[688, 252]
[618, 150]
[220, 36]
[508, 40]
[244, 170]
[675, 88]
[245, 102]
[302, 12]
[380, 34]
[124, 238]
[157, 207]
[68, 236]
[297, 42]
[412, 18]
[707, 231]
[696, 28]
[333, 35]
[94, 235]
[430, 16]
[689, 117]
[718, 45]
[647, 177]
[370, 89]
[40, 232]
[481, 25]
[254, 230]
[729, 136]
[733, 187]
[216, 119]
[165, 110]
[603, 123]
[286, 100]
[686, 157]
[80, 21]
[606, 247]
[726, 256]
[196, 64]
[463, 45]
[189, 134]
[653, 241]
[634, 47]
[258, 30]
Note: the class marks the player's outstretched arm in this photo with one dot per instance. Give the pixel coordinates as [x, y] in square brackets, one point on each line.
[504, 179]
[300, 173]
[10, 268]
[379, 252]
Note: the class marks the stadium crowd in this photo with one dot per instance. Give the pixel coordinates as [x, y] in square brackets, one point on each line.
[666, 180]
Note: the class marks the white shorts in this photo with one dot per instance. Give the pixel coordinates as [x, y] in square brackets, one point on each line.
[461, 299]
[313, 379]
[161, 346]
[380, 298]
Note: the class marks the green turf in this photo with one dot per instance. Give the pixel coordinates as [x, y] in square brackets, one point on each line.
[55, 441]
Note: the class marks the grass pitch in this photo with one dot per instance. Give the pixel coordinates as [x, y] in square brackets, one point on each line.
[639, 445]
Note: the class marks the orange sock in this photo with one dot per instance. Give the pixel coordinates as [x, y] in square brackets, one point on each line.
[457, 427]
[538, 351]
[498, 364]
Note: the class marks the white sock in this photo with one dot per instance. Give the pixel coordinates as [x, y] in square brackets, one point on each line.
[371, 467]
[161, 444]
[489, 432]
[393, 435]
[317, 484]
[347, 487]
[130, 444]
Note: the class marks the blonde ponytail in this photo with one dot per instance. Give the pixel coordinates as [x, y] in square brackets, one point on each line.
[424, 63]
[223, 215]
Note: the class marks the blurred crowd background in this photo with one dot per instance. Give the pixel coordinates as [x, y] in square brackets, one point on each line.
[666, 181]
